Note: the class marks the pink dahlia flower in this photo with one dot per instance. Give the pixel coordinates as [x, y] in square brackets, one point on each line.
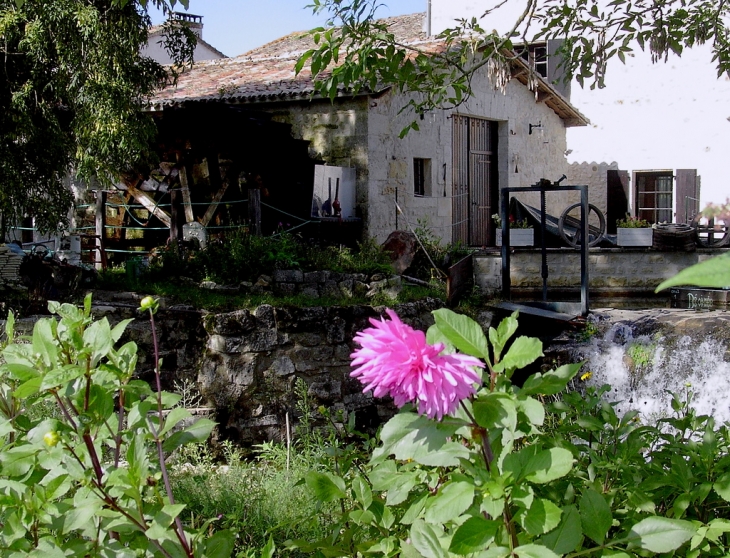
[395, 359]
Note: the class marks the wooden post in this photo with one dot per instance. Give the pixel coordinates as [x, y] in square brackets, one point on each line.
[254, 210]
[189, 217]
[99, 255]
[177, 218]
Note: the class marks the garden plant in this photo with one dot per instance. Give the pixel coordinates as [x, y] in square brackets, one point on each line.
[89, 477]
[474, 465]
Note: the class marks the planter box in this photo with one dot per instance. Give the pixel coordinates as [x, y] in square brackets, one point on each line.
[635, 237]
[518, 237]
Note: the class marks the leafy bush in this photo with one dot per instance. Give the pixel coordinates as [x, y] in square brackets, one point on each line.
[241, 256]
[432, 252]
[507, 475]
[89, 480]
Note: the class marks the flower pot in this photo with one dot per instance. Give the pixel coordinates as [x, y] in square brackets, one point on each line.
[521, 237]
[635, 237]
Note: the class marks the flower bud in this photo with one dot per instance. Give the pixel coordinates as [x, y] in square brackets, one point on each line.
[148, 303]
[51, 438]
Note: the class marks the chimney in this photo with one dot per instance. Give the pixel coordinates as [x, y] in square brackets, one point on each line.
[194, 22]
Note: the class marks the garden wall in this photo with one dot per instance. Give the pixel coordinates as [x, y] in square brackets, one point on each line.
[611, 271]
[246, 363]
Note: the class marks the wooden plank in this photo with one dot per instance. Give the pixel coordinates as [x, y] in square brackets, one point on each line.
[254, 210]
[100, 222]
[213, 207]
[185, 185]
[149, 204]
[460, 280]
[176, 216]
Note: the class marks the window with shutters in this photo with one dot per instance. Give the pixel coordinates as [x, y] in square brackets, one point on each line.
[653, 195]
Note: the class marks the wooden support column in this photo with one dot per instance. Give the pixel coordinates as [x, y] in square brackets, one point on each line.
[185, 185]
[149, 204]
[254, 210]
[176, 215]
[219, 182]
[99, 254]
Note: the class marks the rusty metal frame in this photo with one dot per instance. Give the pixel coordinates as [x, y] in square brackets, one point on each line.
[543, 187]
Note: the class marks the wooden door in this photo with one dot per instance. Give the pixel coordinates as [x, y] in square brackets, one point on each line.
[475, 184]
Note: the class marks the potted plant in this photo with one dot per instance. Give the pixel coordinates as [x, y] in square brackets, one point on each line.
[521, 232]
[632, 231]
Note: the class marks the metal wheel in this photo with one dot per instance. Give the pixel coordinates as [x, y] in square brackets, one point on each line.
[710, 233]
[595, 232]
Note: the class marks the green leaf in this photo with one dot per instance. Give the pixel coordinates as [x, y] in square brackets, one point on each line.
[551, 382]
[541, 517]
[80, 514]
[99, 337]
[548, 465]
[197, 432]
[59, 377]
[463, 332]
[595, 515]
[267, 551]
[504, 332]
[222, 543]
[495, 410]
[326, 487]
[43, 341]
[722, 487]
[567, 535]
[173, 418]
[534, 551]
[450, 502]
[714, 272]
[473, 535]
[118, 329]
[524, 351]
[532, 409]
[435, 335]
[362, 492]
[425, 540]
[411, 436]
[662, 534]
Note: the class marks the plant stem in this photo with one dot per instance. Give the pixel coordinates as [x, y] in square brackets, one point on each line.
[179, 531]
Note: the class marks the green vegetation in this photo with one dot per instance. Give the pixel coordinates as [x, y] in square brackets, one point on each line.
[241, 256]
[73, 98]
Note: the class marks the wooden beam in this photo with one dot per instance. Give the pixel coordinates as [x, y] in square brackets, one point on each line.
[185, 185]
[213, 207]
[149, 204]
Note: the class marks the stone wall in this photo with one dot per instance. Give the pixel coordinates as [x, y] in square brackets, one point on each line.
[317, 284]
[252, 361]
[614, 271]
[246, 364]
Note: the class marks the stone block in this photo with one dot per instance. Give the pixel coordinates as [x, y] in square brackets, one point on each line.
[336, 330]
[331, 289]
[266, 315]
[286, 289]
[322, 353]
[346, 288]
[360, 288]
[310, 339]
[288, 276]
[327, 390]
[342, 352]
[314, 277]
[309, 289]
[283, 366]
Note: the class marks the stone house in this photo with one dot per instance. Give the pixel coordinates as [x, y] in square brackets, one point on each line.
[156, 36]
[448, 173]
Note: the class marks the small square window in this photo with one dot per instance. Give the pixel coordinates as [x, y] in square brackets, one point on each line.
[421, 176]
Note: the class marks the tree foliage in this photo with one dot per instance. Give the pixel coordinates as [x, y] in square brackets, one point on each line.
[72, 95]
[355, 50]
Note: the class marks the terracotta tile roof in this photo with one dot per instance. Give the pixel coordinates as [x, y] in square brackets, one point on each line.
[267, 73]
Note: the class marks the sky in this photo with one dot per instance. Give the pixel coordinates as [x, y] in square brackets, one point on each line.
[237, 26]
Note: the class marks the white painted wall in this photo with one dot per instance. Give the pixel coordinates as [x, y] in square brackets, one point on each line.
[155, 50]
[667, 115]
